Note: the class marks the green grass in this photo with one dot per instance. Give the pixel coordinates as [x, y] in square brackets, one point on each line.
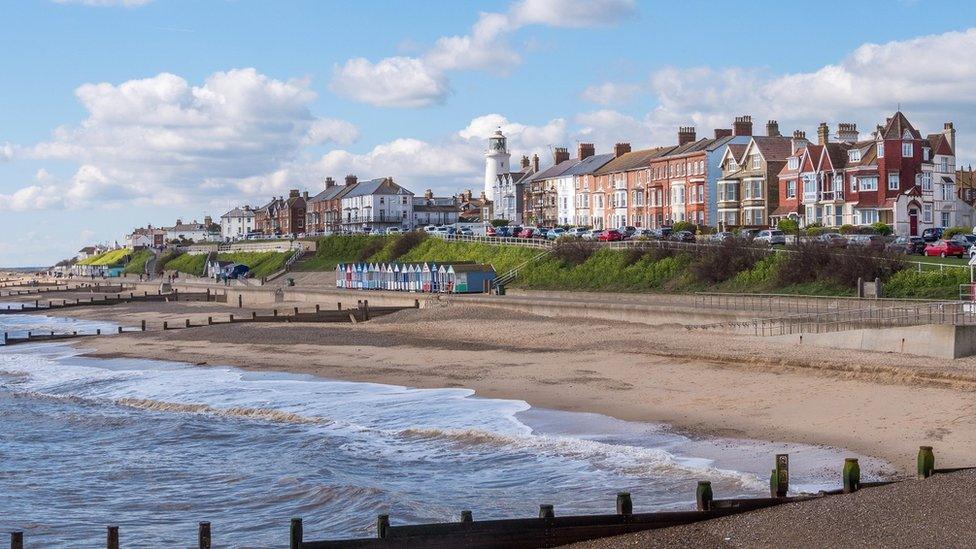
[107, 259]
[191, 264]
[332, 250]
[137, 263]
[261, 263]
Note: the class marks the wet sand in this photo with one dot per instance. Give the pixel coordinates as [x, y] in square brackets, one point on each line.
[714, 384]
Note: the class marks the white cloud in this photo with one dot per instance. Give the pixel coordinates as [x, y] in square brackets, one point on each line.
[610, 93]
[6, 151]
[392, 82]
[106, 3]
[421, 81]
[161, 140]
[573, 13]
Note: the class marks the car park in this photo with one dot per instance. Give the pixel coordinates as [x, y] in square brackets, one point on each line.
[553, 234]
[907, 245]
[944, 248]
[773, 237]
[610, 235]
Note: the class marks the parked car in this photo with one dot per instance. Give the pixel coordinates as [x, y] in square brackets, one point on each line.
[772, 237]
[591, 235]
[526, 232]
[907, 245]
[430, 228]
[933, 234]
[553, 234]
[627, 231]
[575, 232]
[610, 235]
[643, 234]
[393, 230]
[944, 248]
[964, 240]
[491, 230]
[722, 236]
[663, 233]
[683, 236]
[748, 234]
[867, 240]
[465, 231]
[834, 240]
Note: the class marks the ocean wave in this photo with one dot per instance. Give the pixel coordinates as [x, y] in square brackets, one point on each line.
[262, 414]
[630, 460]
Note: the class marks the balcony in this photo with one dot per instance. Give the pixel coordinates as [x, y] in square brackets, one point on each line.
[832, 196]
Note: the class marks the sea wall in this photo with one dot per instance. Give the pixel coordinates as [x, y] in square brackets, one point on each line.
[935, 340]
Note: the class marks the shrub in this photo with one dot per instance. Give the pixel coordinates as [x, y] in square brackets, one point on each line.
[499, 222]
[867, 230]
[682, 226]
[882, 228]
[371, 248]
[722, 262]
[813, 262]
[137, 263]
[788, 226]
[952, 231]
[404, 243]
[934, 284]
[572, 252]
[847, 229]
[815, 231]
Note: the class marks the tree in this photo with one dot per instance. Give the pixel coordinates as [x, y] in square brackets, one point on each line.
[499, 222]
[953, 231]
[788, 226]
[882, 228]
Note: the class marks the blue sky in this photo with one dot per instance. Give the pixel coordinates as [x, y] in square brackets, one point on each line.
[118, 113]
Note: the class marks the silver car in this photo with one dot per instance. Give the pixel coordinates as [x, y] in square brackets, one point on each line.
[771, 237]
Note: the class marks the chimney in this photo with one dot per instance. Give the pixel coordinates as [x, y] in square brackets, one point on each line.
[329, 182]
[208, 221]
[560, 154]
[428, 194]
[525, 162]
[742, 125]
[483, 197]
[350, 180]
[823, 133]
[293, 193]
[950, 135]
[799, 141]
[847, 132]
[179, 221]
[246, 209]
[722, 132]
[772, 128]
[686, 134]
[585, 150]
[535, 163]
[305, 195]
[621, 149]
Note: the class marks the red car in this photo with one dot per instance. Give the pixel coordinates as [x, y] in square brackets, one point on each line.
[490, 230]
[526, 232]
[610, 235]
[945, 248]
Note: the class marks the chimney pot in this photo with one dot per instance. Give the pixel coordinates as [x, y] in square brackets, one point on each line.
[329, 182]
[560, 154]
[742, 125]
[585, 150]
[525, 162]
[772, 128]
[621, 149]
[686, 134]
[350, 180]
[723, 132]
[535, 163]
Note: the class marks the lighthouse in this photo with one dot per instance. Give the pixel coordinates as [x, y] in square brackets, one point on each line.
[496, 161]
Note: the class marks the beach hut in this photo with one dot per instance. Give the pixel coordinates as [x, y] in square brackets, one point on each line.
[348, 282]
[472, 278]
[443, 284]
[340, 272]
[396, 284]
[425, 278]
[358, 276]
[390, 277]
[415, 285]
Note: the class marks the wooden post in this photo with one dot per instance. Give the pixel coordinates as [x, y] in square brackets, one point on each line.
[466, 516]
[782, 475]
[316, 308]
[16, 540]
[5, 338]
[231, 318]
[98, 331]
[120, 329]
[112, 541]
[296, 534]
[165, 325]
[143, 325]
[188, 323]
[296, 311]
[625, 505]
[926, 461]
[382, 526]
[209, 320]
[240, 301]
[366, 309]
[254, 315]
[339, 306]
[546, 511]
[203, 535]
[852, 475]
[275, 312]
[416, 304]
[703, 495]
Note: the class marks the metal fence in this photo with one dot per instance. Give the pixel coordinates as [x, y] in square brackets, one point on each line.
[786, 303]
[955, 313]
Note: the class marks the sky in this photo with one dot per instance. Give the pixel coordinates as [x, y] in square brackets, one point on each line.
[115, 114]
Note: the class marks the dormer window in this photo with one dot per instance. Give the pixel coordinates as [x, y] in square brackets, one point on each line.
[926, 152]
[907, 151]
[756, 162]
[794, 163]
[854, 155]
[881, 149]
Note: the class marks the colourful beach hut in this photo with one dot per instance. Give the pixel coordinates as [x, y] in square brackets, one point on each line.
[358, 276]
[471, 278]
[340, 272]
[443, 285]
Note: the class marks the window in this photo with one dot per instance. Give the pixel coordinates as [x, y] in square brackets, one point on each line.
[926, 181]
[865, 217]
[732, 165]
[791, 189]
[756, 162]
[881, 149]
[867, 183]
[854, 155]
[894, 181]
[926, 213]
[925, 153]
[945, 219]
[907, 151]
[948, 191]
[794, 163]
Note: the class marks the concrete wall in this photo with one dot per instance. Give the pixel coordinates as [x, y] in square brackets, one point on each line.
[935, 340]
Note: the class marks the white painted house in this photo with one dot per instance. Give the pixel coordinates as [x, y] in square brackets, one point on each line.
[237, 223]
[197, 232]
[377, 205]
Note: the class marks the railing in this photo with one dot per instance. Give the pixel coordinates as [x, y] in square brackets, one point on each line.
[952, 313]
[527, 242]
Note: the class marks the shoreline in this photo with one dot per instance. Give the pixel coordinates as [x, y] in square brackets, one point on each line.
[712, 385]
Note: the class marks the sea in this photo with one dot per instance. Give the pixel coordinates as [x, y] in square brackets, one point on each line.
[156, 446]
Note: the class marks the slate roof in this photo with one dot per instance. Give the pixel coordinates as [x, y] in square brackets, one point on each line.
[589, 164]
[330, 193]
[896, 126]
[553, 171]
[633, 160]
[381, 185]
[239, 212]
[737, 149]
[773, 149]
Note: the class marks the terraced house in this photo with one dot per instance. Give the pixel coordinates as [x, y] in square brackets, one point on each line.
[748, 191]
[896, 177]
[540, 191]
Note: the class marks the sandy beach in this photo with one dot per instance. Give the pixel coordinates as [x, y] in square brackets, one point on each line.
[715, 384]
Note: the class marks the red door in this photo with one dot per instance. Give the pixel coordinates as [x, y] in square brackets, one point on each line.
[913, 222]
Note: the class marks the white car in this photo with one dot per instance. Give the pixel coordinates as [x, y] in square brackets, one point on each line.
[591, 235]
[771, 237]
[393, 230]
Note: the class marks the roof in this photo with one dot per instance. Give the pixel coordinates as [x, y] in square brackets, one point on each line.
[188, 227]
[633, 160]
[837, 154]
[436, 208]
[239, 212]
[553, 171]
[381, 185]
[330, 193]
[87, 249]
[966, 179]
[773, 148]
[896, 126]
[736, 149]
[940, 145]
[589, 164]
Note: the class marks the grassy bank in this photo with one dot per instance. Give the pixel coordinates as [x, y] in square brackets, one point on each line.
[261, 263]
[137, 263]
[108, 259]
[732, 267]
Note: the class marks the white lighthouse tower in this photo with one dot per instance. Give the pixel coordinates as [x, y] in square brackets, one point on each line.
[496, 161]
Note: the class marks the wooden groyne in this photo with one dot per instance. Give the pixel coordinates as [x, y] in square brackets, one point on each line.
[362, 313]
[118, 298]
[549, 530]
[57, 288]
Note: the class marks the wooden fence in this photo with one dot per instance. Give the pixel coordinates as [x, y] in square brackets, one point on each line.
[119, 298]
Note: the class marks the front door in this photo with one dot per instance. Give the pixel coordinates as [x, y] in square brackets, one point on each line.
[913, 222]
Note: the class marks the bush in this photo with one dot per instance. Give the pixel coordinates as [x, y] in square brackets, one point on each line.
[137, 263]
[404, 243]
[788, 226]
[499, 222]
[722, 262]
[953, 231]
[847, 229]
[813, 262]
[815, 231]
[867, 230]
[683, 226]
[882, 228]
[934, 284]
[370, 249]
[573, 252]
